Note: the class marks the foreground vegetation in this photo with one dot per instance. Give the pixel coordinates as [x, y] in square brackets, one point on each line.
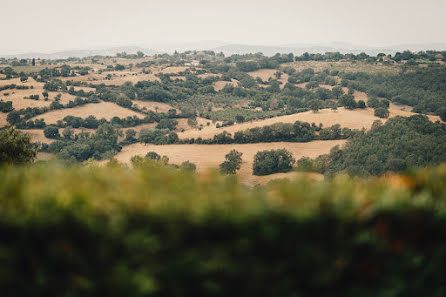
[156, 231]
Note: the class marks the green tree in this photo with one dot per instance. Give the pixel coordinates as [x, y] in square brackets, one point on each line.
[153, 156]
[337, 92]
[15, 147]
[381, 112]
[232, 163]
[51, 132]
[188, 166]
[268, 162]
[13, 117]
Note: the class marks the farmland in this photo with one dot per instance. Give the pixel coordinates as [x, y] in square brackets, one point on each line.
[184, 105]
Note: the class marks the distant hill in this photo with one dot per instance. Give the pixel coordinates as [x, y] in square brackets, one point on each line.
[85, 53]
[231, 49]
[344, 48]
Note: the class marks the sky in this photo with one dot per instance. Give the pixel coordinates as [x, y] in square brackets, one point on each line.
[54, 25]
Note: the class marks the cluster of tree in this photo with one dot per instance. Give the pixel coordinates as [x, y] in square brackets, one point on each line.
[5, 106]
[232, 162]
[399, 56]
[422, 88]
[138, 161]
[398, 144]
[102, 144]
[13, 86]
[297, 132]
[21, 117]
[158, 136]
[273, 161]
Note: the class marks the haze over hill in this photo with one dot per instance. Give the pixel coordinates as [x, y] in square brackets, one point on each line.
[231, 49]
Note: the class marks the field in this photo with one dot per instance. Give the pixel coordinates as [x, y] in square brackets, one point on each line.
[208, 157]
[193, 100]
[347, 66]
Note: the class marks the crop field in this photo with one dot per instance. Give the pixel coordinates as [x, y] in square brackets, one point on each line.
[208, 157]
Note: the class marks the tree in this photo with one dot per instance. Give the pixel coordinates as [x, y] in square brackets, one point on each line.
[188, 166]
[314, 105]
[139, 54]
[381, 112]
[68, 133]
[6, 106]
[130, 136]
[348, 101]
[239, 118]
[268, 162]
[337, 92]
[15, 147]
[170, 124]
[124, 102]
[23, 77]
[442, 113]
[13, 117]
[34, 62]
[45, 95]
[361, 104]
[232, 163]
[153, 156]
[51, 132]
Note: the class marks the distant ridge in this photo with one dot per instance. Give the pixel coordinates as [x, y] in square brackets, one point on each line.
[231, 49]
[344, 48]
[84, 53]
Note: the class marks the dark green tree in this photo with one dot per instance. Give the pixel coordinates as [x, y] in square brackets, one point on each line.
[15, 147]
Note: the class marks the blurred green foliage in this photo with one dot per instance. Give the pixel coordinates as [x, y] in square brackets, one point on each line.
[156, 231]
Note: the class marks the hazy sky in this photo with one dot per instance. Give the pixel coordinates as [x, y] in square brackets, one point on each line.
[52, 25]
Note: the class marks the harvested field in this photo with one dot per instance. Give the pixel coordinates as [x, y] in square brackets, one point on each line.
[353, 119]
[17, 97]
[38, 136]
[154, 106]
[264, 74]
[218, 85]
[208, 157]
[3, 121]
[174, 69]
[346, 66]
[182, 123]
[106, 110]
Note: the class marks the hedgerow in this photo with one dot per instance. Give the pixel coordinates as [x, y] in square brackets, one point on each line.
[156, 231]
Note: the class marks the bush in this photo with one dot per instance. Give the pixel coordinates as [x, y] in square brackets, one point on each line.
[110, 231]
[273, 161]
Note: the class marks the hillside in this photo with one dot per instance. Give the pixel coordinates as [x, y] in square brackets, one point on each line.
[188, 105]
